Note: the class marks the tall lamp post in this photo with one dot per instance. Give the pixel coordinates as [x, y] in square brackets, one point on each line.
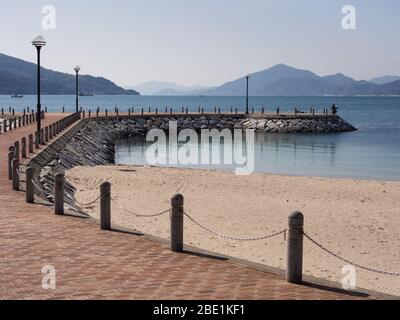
[38, 42]
[247, 94]
[77, 69]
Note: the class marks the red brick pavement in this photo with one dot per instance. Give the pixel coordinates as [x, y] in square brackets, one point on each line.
[94, 264]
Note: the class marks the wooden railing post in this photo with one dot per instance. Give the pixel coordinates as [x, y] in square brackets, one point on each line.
[105, 206]
[59, 193]
[177, 223]
[30, 143]
[15, 174]
[30, 192]
[11, 155]
[23, 147]
[295, 248]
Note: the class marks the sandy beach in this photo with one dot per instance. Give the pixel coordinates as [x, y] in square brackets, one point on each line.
[359, 220]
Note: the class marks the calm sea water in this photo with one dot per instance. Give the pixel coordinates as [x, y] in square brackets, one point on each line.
[373, 152]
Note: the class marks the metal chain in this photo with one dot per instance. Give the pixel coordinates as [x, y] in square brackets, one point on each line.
[141, 215]
[234, 238]
[348, 261]
[87, 204]
[36, 186]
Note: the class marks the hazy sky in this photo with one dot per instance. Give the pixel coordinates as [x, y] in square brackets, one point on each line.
[205, 42]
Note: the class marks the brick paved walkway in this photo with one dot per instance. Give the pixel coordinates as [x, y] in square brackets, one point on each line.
[94, 264]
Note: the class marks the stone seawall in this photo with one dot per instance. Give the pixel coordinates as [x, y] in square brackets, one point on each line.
[91, 141]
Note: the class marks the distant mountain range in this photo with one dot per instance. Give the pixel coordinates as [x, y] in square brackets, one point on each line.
[162, 88]
[385, 79]
[283, 80]
[19, 77]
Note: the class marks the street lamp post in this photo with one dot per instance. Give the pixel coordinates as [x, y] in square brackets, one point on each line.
[77, 69]
[247, 94]
[38, 42]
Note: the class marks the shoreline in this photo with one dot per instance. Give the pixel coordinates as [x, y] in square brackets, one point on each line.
[257, 172]
[361, 211]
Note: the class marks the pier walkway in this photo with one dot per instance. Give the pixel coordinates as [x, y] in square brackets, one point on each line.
[94, 264]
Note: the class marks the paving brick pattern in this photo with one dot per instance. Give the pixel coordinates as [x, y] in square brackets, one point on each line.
[94, 264]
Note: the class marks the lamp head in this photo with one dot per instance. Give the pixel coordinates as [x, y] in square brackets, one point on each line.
[39, 42]
[77, 68]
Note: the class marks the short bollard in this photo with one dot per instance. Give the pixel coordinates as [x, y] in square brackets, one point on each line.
[46, 134]
[11, 155]
[294, 273]
[30, 143]
[105, 206]
[59, 194]
[50, 132]
[23, 147]
[42, 137]
[177, 223]
[15, 174]
[16, 149]
[37, 140]
[30, 194]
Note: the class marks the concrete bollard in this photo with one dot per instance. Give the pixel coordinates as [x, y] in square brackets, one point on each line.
[15, 123]
[46, 134]
[11, 154]
[30, 191]
[30, 143]
[59, 193]
[37, 140]
[294, 273]
[19, 121]
[177, 223]
[42, 137]
[105, 206]
[90, 114]
[23, 147]
[16, 149]
[15, 174]
[5, 126]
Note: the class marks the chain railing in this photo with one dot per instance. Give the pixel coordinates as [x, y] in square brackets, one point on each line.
[233, 237]
[140, 215]
[333, 254]
[87, 204]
